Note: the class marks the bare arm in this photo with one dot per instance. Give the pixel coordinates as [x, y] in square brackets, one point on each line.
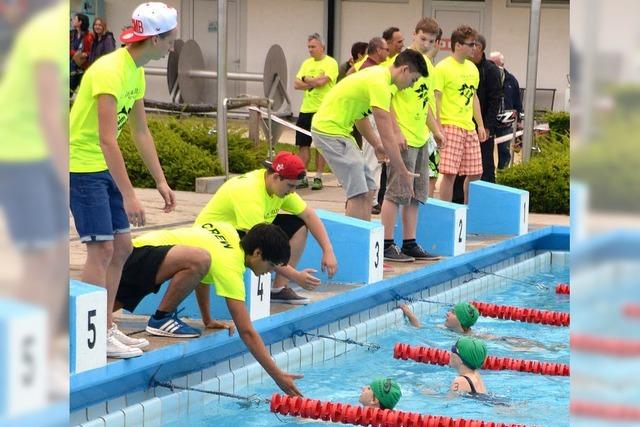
[147, 149]
[55, 130]
[315, 226]
[202, 296]
[256, 346]
[365, 129]
[477, 115]
[438, 96]
[434, 127]
[108, 130]
[310, 82]
[402, 143]
[411, 317]
[389, 140]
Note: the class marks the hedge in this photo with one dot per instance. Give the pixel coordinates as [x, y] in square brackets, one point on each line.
[545, 176]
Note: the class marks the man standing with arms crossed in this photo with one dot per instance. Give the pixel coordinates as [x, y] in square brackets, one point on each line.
[457, 105]
[103, 202]
[317, 75]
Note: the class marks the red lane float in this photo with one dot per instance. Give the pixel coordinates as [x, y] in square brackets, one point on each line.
[441, 357]
[562, 288]
[604, 345]
[364, 416]
[528, 315]
[631, 310]
[604, 411]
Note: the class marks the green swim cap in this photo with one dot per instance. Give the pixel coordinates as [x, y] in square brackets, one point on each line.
[387, 391]
[466, 314]
[472, 351]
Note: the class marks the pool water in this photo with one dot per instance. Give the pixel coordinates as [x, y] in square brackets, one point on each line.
[515, 397]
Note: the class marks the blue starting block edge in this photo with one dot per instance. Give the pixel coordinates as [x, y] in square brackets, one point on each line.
[441, 228]
[357, 244]
[257, 299]
[92, 323]
[497, 209]
[23, 386]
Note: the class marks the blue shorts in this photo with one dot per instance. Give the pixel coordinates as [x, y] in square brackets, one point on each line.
[34, 203]
[97, 206]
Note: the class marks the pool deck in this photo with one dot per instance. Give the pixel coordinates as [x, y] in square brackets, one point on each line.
[188, 206]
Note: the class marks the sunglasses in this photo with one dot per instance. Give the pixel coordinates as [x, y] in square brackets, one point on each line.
[471, 44]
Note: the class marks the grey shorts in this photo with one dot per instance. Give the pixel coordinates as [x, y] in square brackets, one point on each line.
[416, 160]
[347, 163]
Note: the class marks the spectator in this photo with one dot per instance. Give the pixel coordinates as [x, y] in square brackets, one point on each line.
[511, 101]
[103, 40]
[358, 51]
[80, 41]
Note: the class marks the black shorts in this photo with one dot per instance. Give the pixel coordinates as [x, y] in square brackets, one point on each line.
[290, 224]
[304, 121]
[139, 275]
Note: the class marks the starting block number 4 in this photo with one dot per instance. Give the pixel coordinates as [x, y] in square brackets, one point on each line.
[23, 362]
[259, 298]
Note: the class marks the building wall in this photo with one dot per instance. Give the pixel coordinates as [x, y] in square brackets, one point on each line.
[288, 22]
[510, 35]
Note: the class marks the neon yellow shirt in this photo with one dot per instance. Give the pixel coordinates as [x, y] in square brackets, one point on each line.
[352, 99]
[358, 64]
[389, 61]
[433, 75]
[327, 66]
[223, 244]
[113, 74]
[40, 41]
[243, 202]
[411, 106]
[458, 83]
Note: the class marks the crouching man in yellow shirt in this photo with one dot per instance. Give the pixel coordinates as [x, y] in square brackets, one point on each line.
[194, 259]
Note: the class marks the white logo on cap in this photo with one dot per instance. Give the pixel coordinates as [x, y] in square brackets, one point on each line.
[279, 167]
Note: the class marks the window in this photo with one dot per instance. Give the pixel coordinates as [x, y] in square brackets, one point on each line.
[545, 3]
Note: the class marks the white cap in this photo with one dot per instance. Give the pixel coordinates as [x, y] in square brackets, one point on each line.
[150, 19]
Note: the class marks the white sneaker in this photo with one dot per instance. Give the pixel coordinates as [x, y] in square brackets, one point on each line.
[126, 339]
[117, 350]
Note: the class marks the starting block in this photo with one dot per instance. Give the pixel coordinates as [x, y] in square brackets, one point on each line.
[441, 229]
[23, 358]
[87, 326]
[497, 209]
[257, 291]
[357, 244]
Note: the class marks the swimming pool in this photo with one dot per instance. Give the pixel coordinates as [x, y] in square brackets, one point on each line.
[518, 397]
[120, 393]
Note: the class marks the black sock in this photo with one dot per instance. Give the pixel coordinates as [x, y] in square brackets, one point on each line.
[160, 314]
[388, 243]
[409, 244]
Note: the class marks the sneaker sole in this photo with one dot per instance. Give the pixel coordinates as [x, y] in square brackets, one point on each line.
[124, 355]
[399, 260]
[140, 346]
[292, 302]
[161, 333]
[432, 258]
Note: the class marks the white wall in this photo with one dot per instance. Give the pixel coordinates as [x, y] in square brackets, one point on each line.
[283, 22]
[361, 21]
[510, 35]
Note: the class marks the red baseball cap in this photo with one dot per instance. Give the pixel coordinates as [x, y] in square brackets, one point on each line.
[287, 165]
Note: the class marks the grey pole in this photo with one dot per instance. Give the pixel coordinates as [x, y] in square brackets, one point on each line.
[221, 123]
[532, 74]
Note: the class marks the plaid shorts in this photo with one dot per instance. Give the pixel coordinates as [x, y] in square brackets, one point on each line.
[461, 154]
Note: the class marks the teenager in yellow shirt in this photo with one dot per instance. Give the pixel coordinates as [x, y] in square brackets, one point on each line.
[102, 199]
[349, 103]
[458, 106]
[195, 259]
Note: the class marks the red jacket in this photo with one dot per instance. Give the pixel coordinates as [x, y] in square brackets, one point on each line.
[87, 41]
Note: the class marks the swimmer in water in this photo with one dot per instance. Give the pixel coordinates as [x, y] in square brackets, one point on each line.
[467, 356]
[383, 393]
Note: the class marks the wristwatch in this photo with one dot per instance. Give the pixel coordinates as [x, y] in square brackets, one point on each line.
[303, 79]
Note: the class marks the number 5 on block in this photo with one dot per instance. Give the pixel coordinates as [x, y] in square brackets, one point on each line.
[87, 326]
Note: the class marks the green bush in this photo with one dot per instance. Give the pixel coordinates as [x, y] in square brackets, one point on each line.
[559, 122]
[545, 176]
[182, 162]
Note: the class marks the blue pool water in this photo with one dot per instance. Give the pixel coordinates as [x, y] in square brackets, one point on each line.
[525, 398]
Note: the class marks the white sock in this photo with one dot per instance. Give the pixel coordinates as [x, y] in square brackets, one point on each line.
[319, 174]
